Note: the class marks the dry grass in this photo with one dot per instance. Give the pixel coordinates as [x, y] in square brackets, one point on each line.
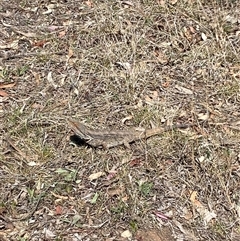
[149, 60]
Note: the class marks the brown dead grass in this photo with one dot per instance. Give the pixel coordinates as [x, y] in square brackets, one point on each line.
[101, 62]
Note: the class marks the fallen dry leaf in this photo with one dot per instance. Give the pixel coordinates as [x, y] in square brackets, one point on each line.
[192, 29]
[48, 234]
[4, 86]
[187, 33]
[187, 214]
[126, 118]
[59, 196]
[37, 106]
[111, 175]
[50, 80]
[126, 234]
[95, 175]
[237, 208]
[12, 45]
[201, 159]
[205, 214]
[152, 98]
[161, 2]
[115, 191]
[128, 3]
[32, 164]
[194, 200]
[20, 152]
[7, 14]
[39, 43]
[184, 90]
[161, 57]
[203, 116]
[166, 84]
[204, 37]
[62, 34]
[28, 35]
[125, 198]
[135, 162]
[3, 93]
[37, 77]
[50, 8]
[187, 233]
[70, 53]
[58, 210]
[89, 3]
[139, 104]
[125, 65]
[173, 2]
[54, 28]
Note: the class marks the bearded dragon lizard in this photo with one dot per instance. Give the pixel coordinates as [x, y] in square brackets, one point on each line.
[110, 138]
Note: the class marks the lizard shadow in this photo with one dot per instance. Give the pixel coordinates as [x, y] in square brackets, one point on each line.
[78, 141]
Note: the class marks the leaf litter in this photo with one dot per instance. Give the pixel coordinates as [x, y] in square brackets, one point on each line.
[118, 64]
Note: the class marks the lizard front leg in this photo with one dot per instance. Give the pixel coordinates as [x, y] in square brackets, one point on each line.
[126, 143]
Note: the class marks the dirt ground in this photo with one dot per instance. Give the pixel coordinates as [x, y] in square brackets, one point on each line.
[120, 65]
